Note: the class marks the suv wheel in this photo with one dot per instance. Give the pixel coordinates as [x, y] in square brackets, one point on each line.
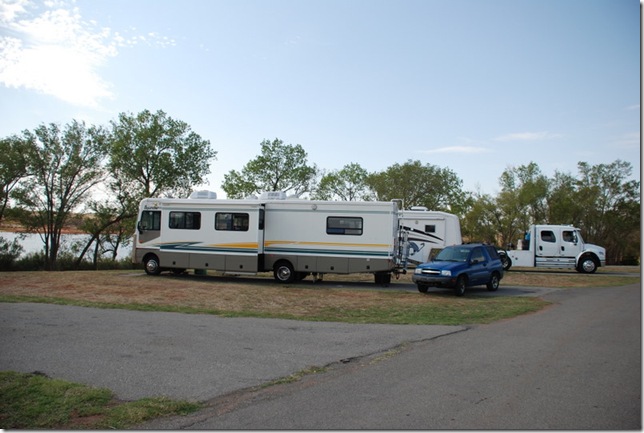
[493, 284]
[461, 283]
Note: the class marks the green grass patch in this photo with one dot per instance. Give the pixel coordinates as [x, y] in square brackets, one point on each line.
[34, 401]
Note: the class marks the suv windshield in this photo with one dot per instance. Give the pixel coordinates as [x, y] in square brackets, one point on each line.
[453, 255]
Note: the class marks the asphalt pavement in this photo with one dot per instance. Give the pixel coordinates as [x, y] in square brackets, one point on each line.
[573, 365]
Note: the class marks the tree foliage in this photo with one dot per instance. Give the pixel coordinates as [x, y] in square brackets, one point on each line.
[14, 166]
[154, 154]
[279, 167]
[64, 165]
[347, 184]
[419, 185]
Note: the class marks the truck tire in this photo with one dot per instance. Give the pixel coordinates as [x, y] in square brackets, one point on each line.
[422, 288]
[284, 272]
[507, 262]
[587, 265]
[152, 265]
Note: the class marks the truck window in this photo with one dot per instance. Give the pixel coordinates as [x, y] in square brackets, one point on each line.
[229, 221]
[150, 220]
[344, 226]
[185, 220]
[548, 236]
[569, 236]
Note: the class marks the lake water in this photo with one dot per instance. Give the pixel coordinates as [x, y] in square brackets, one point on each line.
[32, 243]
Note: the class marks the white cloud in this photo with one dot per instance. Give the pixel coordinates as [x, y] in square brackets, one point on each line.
[457, 149]
[526, 136]
[54, 51]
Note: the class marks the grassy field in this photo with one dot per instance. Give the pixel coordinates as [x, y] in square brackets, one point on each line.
[344, 298]
[32, 401]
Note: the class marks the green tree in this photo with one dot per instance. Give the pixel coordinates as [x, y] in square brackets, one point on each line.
[419, 185]
[279, 167]
[346, 184]
[14, 166]
[522, 200]
[65, 165]
[609, 201]
[480, 223]
[154, 154]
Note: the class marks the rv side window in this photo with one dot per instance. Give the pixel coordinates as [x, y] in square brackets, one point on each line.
[150, 220]
[548, 236]
[185, 220]
[237, 222]
[430, 229]
[344, 226]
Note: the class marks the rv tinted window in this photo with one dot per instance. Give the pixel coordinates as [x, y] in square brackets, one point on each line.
[151, 220]
[344, 226]
[430, 229]
[237, 222]
[185, 220]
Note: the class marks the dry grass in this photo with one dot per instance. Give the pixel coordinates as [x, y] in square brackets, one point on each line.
[228, 294]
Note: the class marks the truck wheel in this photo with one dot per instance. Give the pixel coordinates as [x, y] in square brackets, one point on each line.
[461, 283]
[507, 262]
[493, 284]
[152, 266]
[284, 273]
[587, 265]
[422, 288]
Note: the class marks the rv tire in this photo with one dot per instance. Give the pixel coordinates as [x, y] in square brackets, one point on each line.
[284, 272]
[382, 278]
[151, 264]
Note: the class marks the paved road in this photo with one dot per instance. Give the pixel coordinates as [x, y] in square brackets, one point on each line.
[182, 356]
[574, 365]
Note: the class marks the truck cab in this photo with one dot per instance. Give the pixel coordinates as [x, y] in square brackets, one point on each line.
[557, 246]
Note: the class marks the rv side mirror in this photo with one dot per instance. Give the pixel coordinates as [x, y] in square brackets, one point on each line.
[139, 226]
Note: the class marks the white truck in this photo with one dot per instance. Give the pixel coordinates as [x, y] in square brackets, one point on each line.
[557, 246]
[427, 230]
[292, 238]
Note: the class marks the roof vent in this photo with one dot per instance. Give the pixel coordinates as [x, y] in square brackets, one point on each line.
[423, 208]
[273, 195]
[204, 194]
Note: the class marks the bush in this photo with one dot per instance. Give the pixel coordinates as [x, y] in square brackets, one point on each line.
[9, 253]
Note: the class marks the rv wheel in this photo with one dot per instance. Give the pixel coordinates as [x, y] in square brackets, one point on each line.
[284, 272]
[383, 278]
[151, 264]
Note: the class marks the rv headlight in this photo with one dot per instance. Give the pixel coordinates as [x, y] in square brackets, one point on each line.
[446, 273]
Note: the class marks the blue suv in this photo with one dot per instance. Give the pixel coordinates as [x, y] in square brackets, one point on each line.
[461, 266]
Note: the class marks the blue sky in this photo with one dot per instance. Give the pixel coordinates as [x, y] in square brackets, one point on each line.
[476, 86]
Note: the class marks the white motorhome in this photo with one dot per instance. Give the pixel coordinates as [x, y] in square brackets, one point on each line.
[557, 246]
[427, 230]
[291, 238]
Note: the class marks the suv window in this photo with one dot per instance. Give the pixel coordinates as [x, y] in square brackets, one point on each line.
[494, 254]
[477, 255]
